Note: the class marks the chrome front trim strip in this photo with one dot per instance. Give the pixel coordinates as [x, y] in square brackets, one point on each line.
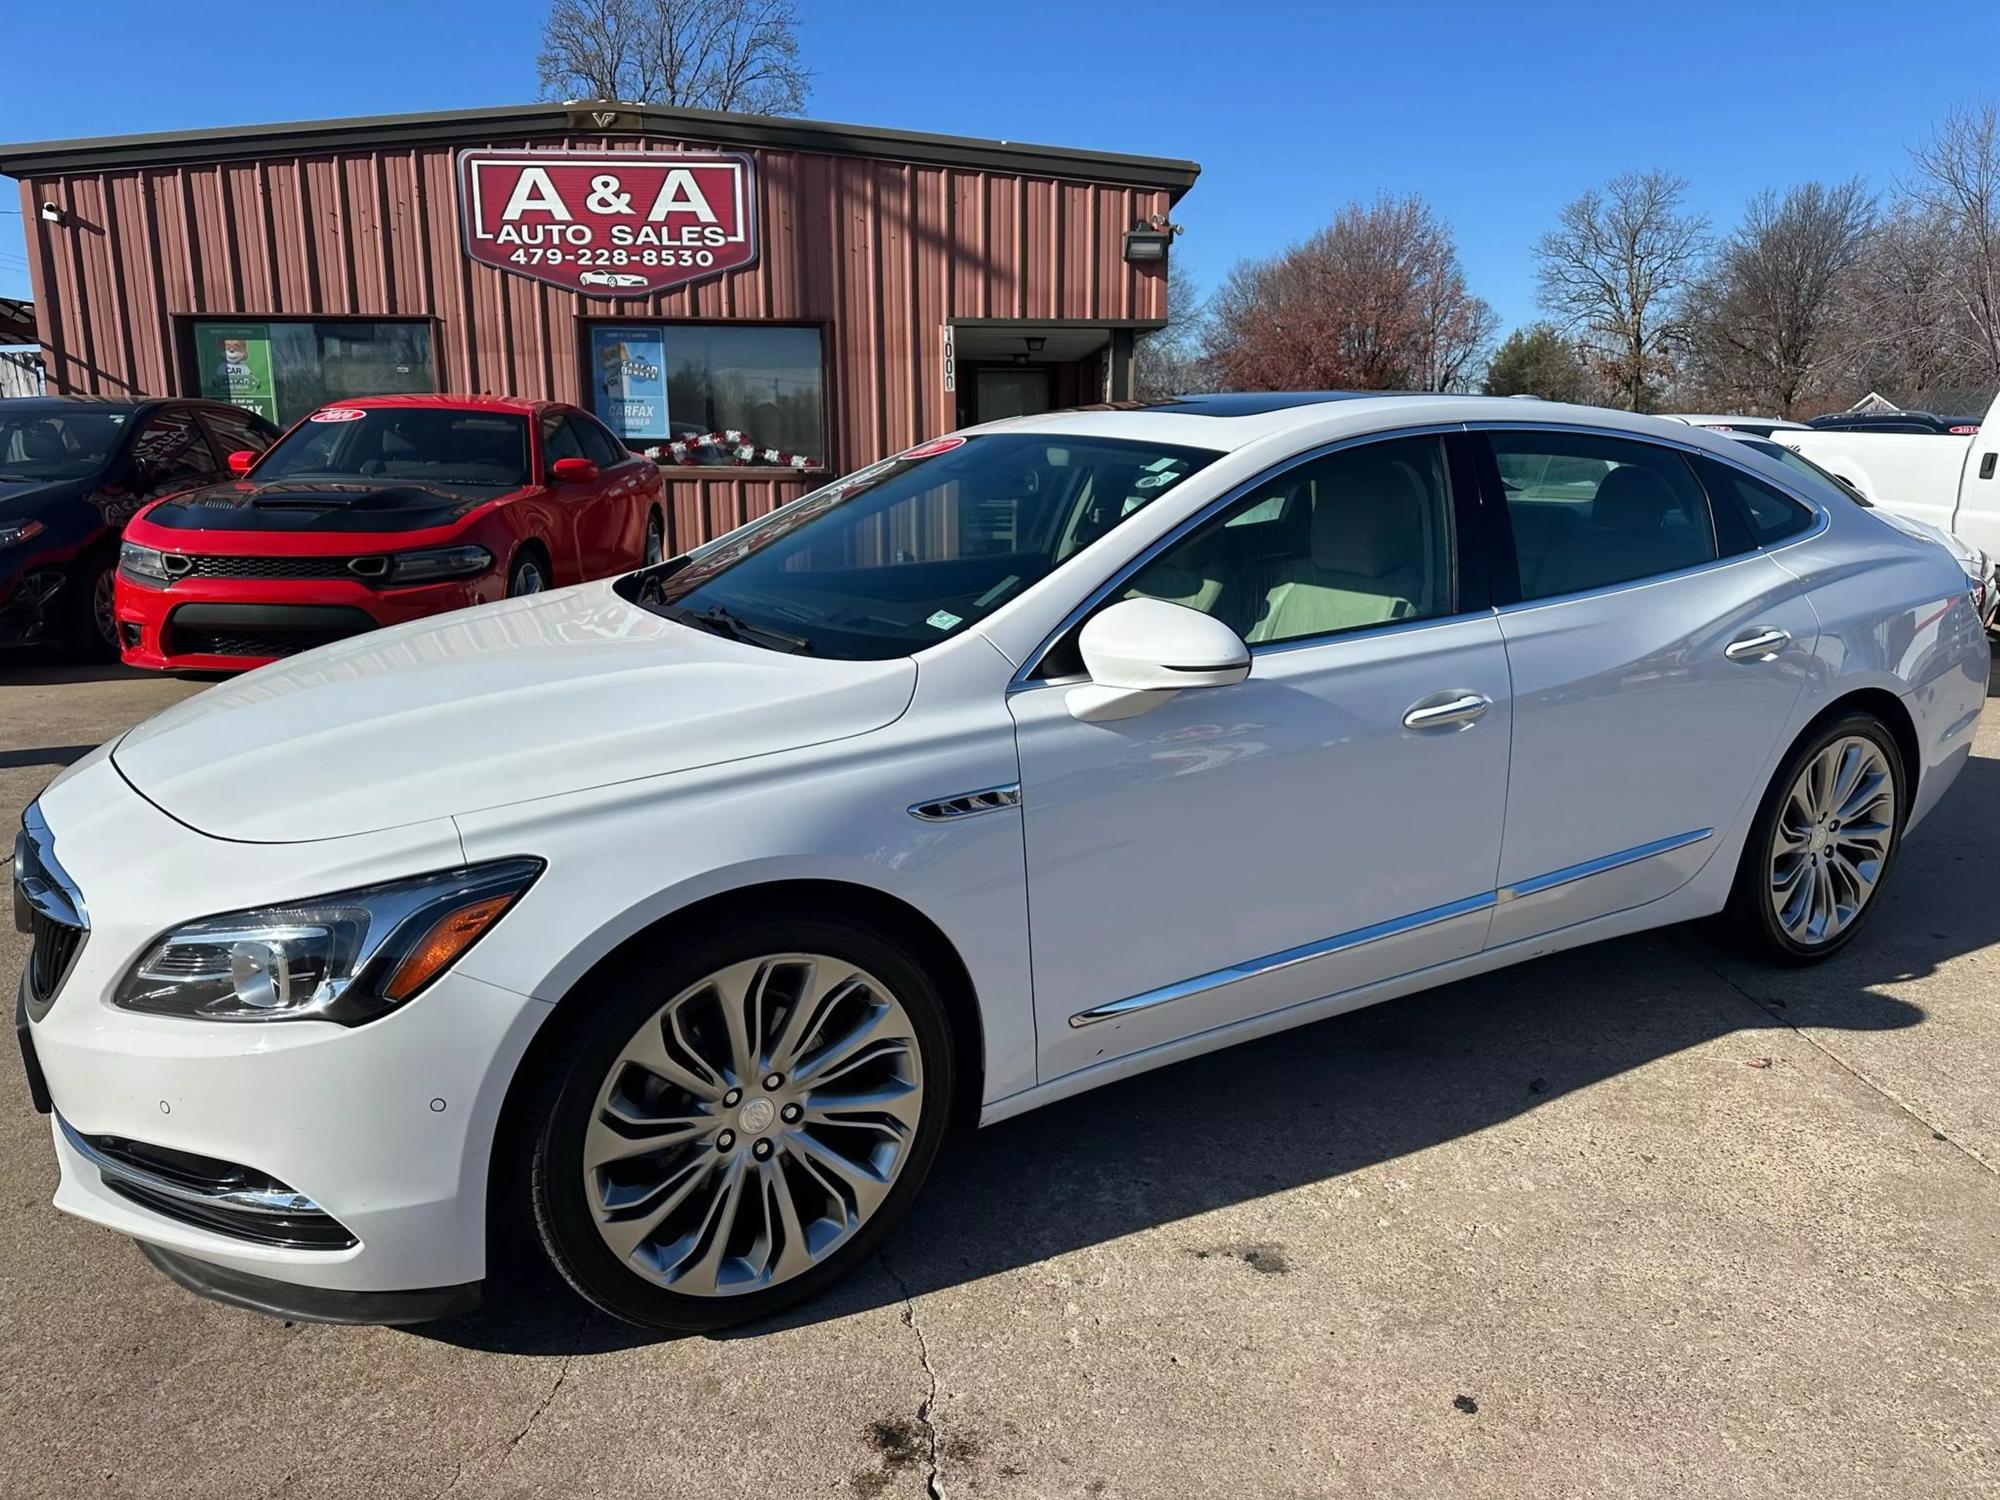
[1539, 883]
[246, 1200]
[1271, 963]
[1395, 927]
[43, 883]
[968, 804]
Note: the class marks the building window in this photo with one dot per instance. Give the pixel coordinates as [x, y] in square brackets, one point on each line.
[712, 393]
[284, 370]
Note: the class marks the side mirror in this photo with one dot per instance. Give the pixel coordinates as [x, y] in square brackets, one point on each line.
[241, 460]
[572, 471]
[1141, 652]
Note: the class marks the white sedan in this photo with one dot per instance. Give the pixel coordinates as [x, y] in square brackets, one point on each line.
[673, 921]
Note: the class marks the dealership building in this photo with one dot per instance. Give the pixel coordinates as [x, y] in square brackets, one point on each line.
[760, 299]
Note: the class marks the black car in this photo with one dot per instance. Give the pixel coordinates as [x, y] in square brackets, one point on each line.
[73, 469]
[1895, 421]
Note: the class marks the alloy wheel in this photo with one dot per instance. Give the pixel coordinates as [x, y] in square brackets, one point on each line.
[1832, 840]
[104, 607]
[656, 541]
[753, 1124]
[527, 580]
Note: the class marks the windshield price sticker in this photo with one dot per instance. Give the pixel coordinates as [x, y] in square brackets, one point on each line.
[339, 414]
[608, 223]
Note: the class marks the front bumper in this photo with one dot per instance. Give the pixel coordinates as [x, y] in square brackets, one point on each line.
[231, 625]
[387, 1127]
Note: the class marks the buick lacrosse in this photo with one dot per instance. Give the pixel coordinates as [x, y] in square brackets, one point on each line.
[673, 921]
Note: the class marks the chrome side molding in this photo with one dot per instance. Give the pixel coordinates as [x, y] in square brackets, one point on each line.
[1604, 862]
[1253, 968]
[968, 804]
[1271, 963]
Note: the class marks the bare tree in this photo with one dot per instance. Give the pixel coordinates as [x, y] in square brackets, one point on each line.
[1376, 300]
[1958, 183]
[1614, 272]
[700, 54]
[1168, 361]
[1768, 327]
[1906, 313]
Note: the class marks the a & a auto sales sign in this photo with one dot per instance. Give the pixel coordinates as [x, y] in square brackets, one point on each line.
[608, 224]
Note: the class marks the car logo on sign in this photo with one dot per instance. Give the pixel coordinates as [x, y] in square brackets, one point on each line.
[611, 278]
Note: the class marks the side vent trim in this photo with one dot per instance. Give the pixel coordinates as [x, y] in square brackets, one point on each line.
[968, 804]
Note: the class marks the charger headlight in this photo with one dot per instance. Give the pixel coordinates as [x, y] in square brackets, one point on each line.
[434, 563]
[143, 562]
[348, 957]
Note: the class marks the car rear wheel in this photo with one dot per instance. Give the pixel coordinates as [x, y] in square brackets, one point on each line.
[656, 540]
[1824, 841]
[528, 575]
[90, 627]
[740, 1125]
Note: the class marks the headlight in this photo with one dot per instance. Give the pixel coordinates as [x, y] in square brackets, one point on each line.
[19, 531]
[143, 562]
[348, 957]
[437, 562]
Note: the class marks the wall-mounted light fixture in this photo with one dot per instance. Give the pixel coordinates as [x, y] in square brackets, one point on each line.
[52, 212]
[1147, 240]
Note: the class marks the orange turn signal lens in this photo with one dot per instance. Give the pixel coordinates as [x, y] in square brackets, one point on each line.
[449, 936]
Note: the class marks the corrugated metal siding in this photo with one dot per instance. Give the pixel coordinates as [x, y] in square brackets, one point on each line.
[880, 253]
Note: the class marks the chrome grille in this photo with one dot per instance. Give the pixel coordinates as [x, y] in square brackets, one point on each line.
[49, 908]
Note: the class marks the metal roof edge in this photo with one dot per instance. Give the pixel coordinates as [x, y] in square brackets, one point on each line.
[476, 126]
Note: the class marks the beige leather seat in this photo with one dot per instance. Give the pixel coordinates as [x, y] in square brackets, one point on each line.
[1188, 575]
[1367, 560]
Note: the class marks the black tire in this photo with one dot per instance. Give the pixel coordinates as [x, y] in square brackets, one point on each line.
[528, 573]
[89, 625]
[622, 1001]
[1750, 921]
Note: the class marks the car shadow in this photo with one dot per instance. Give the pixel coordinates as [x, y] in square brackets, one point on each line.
[1341, 1096]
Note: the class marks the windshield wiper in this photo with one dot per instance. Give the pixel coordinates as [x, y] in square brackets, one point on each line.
[719, 621]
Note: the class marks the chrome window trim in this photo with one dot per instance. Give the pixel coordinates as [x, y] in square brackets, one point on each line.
[1024, 678]
[1271, 963]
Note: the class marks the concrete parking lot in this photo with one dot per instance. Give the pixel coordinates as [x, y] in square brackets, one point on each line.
[1636, 1220]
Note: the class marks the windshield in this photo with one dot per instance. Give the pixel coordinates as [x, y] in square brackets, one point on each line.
[1798, 463]
[911, 550]
[57, 445]
[403, 444]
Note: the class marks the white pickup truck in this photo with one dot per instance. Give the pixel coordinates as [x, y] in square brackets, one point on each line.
[1950, 481]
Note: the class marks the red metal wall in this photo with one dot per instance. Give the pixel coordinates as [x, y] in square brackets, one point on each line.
[881, 253]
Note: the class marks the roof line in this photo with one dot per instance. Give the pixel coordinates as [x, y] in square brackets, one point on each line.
[485, 126]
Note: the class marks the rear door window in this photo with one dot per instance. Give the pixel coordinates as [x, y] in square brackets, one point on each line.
[1590, 512]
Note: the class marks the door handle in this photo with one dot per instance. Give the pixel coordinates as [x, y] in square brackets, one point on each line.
[1448, 711]
[1761, 645]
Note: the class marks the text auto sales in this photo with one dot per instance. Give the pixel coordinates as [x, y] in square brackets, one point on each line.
[654, 241]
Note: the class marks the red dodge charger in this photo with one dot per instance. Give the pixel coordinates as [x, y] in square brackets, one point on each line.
[376, 511]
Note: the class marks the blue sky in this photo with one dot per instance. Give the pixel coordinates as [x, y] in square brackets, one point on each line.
[1497, 113]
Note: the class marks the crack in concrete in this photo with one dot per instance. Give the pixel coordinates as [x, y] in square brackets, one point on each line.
[934, 1480]
[1938, 1132]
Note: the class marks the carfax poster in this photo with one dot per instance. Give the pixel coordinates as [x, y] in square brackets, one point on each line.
[235, 362]
[629, 376]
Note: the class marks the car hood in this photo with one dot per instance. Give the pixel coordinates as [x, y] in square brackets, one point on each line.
[21, 499]
[319, 505]
[527, 698]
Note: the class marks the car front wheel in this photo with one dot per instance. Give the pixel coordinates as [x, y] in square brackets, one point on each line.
[91, 629]
[739, 1126]
[1825, 838]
